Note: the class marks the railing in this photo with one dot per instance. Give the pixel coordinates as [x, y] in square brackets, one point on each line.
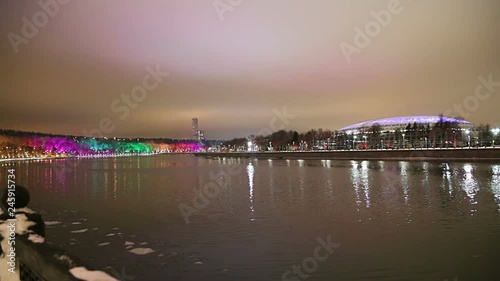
[43, 262]
[33, 260]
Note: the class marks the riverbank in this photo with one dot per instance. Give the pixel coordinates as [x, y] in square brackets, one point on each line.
[469, 154]
[88, 156]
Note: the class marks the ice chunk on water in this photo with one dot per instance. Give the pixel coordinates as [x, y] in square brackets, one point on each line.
[141, 251]
[80, 231]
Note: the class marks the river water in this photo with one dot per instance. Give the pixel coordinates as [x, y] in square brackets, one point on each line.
[268, 219]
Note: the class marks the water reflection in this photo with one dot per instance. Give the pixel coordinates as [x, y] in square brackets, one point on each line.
[469, 183]
[447, 181]
[326, 163]
[106, 179]
[495, 183]
[250, 173]
[110, 178]
[407, 183]
[359, 178]
[271, 184]
[425, 166]
[404, 166]
[115, 179]
[138, 185]
[302, 181]
[329, 183]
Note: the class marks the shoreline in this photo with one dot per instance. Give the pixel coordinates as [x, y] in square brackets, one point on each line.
[88, 156]
[452, 154]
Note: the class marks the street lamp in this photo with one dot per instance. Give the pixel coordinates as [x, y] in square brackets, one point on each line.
[468, 137]
[495, 133]
[336, 141]
[404, 146]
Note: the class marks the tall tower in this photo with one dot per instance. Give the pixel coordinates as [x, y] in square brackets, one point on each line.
[195, 128]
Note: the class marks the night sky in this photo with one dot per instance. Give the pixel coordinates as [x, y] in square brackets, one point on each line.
[232, 73]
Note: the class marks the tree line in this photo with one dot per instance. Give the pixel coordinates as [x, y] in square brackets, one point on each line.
[413, 135]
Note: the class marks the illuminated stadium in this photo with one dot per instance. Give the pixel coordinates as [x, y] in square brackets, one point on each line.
[407, 132]
[394, 123]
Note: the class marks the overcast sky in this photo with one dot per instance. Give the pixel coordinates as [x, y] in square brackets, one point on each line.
[232, 69]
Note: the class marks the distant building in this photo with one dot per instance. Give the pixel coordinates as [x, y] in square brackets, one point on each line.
[406, 132]
[200, 135]
[394, 123]
[194, 127]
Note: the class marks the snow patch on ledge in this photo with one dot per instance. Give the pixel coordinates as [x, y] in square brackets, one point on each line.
[35, 238]
[88, 275]
[65, 259]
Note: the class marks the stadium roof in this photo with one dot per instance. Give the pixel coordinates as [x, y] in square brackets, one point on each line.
[404, 120]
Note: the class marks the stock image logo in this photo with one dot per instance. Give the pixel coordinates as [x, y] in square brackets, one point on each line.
[310, 264]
